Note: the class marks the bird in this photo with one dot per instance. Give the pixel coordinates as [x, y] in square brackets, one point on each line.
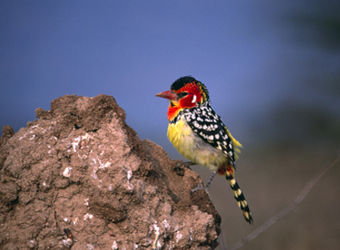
[199, 134]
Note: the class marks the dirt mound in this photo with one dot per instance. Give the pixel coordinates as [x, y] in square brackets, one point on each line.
[79, 178]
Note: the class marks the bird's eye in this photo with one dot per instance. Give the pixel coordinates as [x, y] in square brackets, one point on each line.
[182, 94]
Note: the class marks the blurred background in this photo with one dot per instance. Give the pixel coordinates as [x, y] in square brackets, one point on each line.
[272, 69]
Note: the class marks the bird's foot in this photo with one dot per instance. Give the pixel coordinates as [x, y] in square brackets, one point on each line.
[200, 187]
[179, 167]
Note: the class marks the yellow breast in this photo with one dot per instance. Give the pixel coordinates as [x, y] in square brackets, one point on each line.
[193, 148]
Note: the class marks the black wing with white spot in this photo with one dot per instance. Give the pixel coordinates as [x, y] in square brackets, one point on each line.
[208, 125]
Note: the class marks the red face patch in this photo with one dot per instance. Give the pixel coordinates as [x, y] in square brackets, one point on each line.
[194, 95]
[188, 101]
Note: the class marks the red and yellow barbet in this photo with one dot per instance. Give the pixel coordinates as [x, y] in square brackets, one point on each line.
[199, 134]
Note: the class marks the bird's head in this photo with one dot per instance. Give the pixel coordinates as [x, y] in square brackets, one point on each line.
[186, 92]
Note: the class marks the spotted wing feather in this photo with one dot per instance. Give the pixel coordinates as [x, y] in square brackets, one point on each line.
[208, 125]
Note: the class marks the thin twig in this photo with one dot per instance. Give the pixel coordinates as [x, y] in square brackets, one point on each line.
[222, 240]
[286, 210]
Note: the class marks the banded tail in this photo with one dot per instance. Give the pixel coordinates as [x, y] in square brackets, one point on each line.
[239, 197]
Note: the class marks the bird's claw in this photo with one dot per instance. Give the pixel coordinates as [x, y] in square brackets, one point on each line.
[178, 168]
[200, 187]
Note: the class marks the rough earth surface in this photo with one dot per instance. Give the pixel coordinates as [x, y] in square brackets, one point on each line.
[79, 177]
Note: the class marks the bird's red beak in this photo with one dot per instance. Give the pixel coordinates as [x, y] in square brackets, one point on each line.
[168, 95]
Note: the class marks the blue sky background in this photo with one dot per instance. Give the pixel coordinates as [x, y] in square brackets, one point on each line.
[252, 56]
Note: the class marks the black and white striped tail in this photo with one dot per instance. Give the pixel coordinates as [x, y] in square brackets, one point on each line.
[241, 200]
